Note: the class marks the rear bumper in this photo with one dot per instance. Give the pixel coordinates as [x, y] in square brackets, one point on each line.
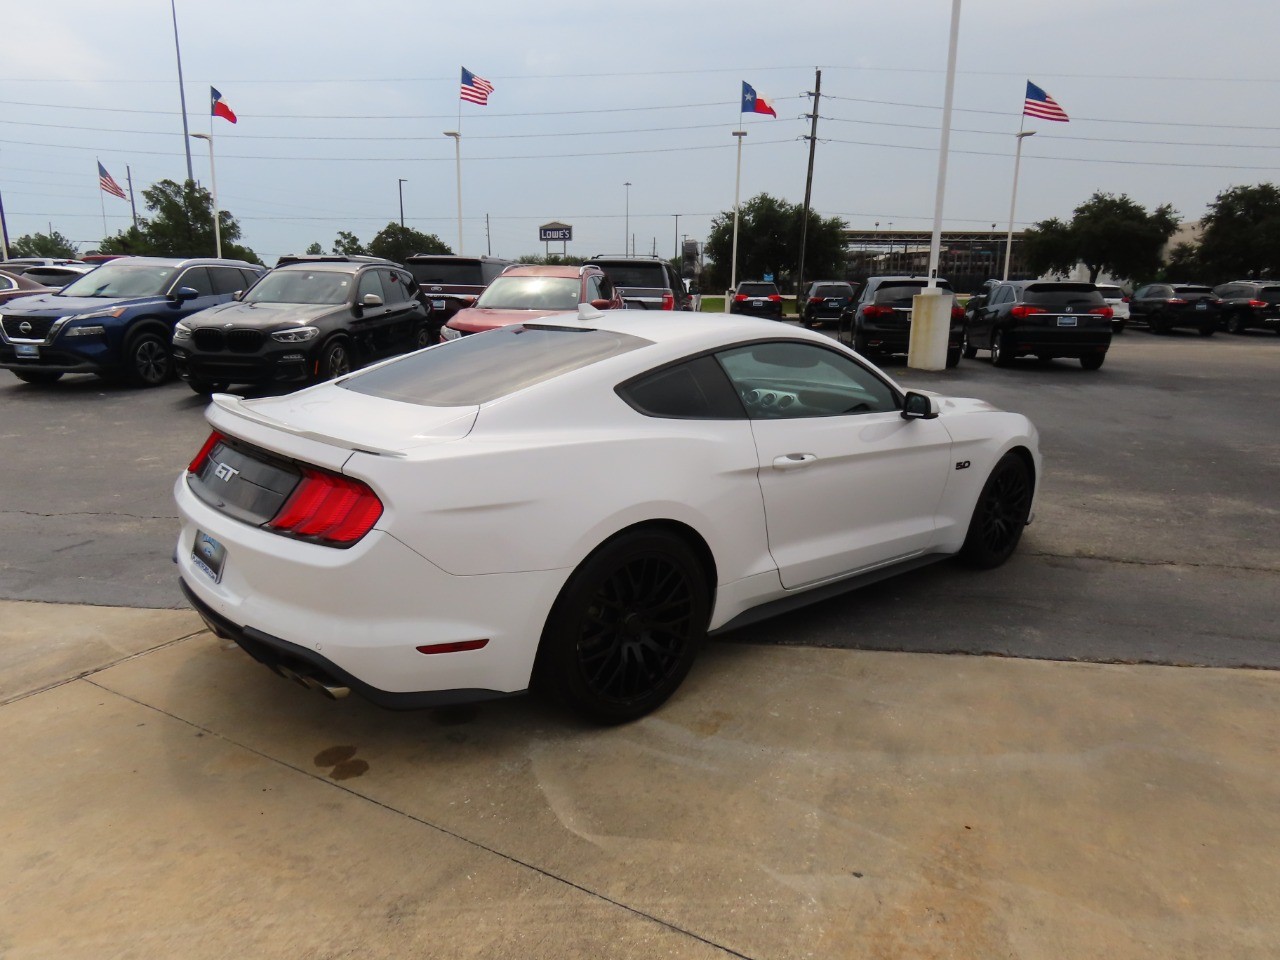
[1056, 342]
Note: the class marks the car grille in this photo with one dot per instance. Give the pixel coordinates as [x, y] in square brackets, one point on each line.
[245, 341]
[236, 341]
[39, 327]
[211, 340]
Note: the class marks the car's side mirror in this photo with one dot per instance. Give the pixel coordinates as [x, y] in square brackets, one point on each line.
[918, 406]
[184, 294]
[371, 300]
[239, 294]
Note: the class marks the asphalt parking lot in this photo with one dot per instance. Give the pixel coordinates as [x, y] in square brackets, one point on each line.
[831, 784]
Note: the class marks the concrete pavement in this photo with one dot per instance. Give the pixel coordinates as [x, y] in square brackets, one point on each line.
[165, 796]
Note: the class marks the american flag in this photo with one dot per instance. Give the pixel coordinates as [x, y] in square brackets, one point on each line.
[1039, 104]
[108, 183]
[475, 89]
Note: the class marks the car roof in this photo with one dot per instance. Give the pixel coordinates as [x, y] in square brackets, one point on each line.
[542, 270]
[333, 266]
[182, 262]
[458, 257]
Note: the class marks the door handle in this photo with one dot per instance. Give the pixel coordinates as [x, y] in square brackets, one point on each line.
[791, 461]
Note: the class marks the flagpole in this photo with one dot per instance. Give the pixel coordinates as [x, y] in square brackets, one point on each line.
[737, 184]
[132, 206]
[1013, 200]
[182, 94]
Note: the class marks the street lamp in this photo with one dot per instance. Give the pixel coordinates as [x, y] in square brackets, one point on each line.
[213, 182]
[626, 237]
[676, 255]
[733, 257]
[401, 181]
[1013, 201]
[457, 156]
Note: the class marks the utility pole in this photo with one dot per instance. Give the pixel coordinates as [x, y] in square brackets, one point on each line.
[808, 183]
[128, 174]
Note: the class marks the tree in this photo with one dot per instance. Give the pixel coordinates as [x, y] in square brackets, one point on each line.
[51, 244]
[395, 242]
[550, 260]
[1241, 237]
[348, 244]
[1106, 233]
[315, 250]
[1184, 262]
[769, 243]
[181, 225]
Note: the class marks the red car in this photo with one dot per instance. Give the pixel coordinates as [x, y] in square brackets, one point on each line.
[14, 285]
[526, 292]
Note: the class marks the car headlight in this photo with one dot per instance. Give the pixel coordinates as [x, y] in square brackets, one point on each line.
[295, 335]
[448, 333]
[113, 312]
[181, 332]
[85, 330]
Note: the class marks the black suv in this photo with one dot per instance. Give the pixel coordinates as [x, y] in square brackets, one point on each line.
[827, 300]
[450, 282]
[1249, 304]
[757, 299]
[880, 322]
[302, 323]
[646, 283]
[1044, 318]
[1164, 306]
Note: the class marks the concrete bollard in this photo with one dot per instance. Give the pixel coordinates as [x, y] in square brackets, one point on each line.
[930, 328]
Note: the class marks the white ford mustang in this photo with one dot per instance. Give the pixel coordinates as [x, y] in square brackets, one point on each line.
[578, 501]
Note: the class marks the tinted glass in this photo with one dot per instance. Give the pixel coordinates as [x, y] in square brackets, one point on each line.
[1269, 294]
[793, 380]
[832, 290]
[1062, 294]
[1192, 290]
[635, 274]
[696, 390]
[121, 280]
[901, 291]
[1111, 293]
[448, 272]
[370, 283]
[7, 283]
[757, 289]
[301, 286]
[490, 365]
[197, 278]
[226, 279]
[531, 293]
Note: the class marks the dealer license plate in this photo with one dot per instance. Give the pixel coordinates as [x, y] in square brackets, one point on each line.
[757, 303]
[208, 555]
[1066, 321]
[437, 304]
[27, 350]
[1202, 305]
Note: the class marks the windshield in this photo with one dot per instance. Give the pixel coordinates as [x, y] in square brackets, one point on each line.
[121, 280]
[531, 293]
[301, 286]
[902, 291]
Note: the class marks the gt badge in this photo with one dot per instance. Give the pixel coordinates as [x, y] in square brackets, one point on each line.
[225, 472]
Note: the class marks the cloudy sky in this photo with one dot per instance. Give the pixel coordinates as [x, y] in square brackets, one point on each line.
[1171, 101]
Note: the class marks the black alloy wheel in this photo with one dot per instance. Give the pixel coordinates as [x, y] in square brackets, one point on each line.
[626, 627]
[1235, 324]
[1000, 514]
[148, 361]
[335, 361]
[37, 376]
[422, 337]
[1001, 356]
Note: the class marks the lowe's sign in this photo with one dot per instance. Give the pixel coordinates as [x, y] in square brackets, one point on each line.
[555, 231]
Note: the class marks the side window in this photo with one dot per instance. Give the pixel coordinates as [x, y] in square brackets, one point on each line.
[593, 289]
[250, 278]
[693, 390]
[226, 280]
[1141, 292]
[393, 287]
[198, 279]
[606, 288]
[370, 283]
[796, 380]
[7, 284]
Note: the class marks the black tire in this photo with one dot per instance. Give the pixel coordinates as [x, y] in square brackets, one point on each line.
[626, 627]
[1000, 514]
[148, 361]
[1000, 354]
[1093, 361]
[953, 357]
[807, 322]
[1235, 324]
[40, 377]
[335, 361]
[967, 349]
[424, 337]
[206, 387]
[860, 344]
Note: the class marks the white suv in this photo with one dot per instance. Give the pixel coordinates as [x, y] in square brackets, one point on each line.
[1118, 301]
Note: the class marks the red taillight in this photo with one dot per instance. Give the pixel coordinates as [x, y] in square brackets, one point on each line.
[329, 508]
[198, 462]
[739, 298]
[1257, 304]
[876, 310]
[815, 299]
[1125, 299]
[1177, 300]
[957, 313]
[1103, 312]
[775, 298]
[668, 301]
[1022, 310]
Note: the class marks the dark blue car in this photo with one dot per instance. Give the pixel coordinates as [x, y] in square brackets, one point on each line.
[116, 321]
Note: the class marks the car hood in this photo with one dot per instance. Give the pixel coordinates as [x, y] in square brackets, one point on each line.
[475, 319]
[52, 305]
[343, 418]
[265, 315]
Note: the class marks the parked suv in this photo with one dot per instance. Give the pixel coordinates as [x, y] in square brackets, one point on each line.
[880, 322]
[452, 283]
[1249, 304]
[304, 322]
[826, 300]
[528, 292]
[117, 320]
[1118, 301]
[646, 283]
[1045, 318]
[756, 299]
[1164, 306]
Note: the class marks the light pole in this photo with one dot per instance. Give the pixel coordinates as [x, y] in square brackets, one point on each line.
[1013, 201]
[182, 95]
[213, 182]
[457, 157]
[626, 236]
[401, 181]
[676, 255]
[733, 257]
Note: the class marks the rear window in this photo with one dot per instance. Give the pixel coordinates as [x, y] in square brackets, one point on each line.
[1061, 294]
[833, 290]
[448, 272]
[1195, 291]
[1269, 294]
[487, 366]
[904, 290]
[757, 289]
[1111, 293]
[634, 274]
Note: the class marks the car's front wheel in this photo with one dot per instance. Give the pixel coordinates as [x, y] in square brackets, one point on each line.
[999, 515]
[37, 376]
[626, 627]
[148, 361]
[335, 361]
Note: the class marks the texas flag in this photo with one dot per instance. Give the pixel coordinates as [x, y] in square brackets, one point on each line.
[219, 109]
[751, 103]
